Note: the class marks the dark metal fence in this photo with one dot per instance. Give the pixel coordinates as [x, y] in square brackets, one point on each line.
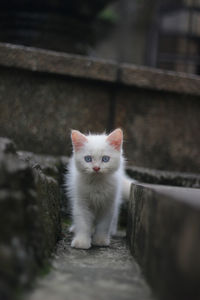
[175, 37]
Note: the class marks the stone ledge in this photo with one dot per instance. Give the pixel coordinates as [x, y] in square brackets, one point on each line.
[39, 60]
[29, 217]
[162, 80]
[146, 175]
[163, 235]
[54, 166]
[50, 165]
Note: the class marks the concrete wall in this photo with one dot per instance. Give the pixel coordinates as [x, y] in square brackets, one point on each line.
[43, 94]
[163, 235]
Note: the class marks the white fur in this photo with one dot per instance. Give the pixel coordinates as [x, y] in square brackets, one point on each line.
[95, 197]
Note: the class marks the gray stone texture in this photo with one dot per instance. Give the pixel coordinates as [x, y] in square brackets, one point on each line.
[102, 273]
[152, 176]
[39, 110]
[39, 60]
[146, 175]
[29, 217]
[157, 79]
[43, 94]
[161, 129]
[54, 166]
[7, 146]
[163, 235]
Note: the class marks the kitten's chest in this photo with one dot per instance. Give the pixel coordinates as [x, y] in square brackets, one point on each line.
[98, 192]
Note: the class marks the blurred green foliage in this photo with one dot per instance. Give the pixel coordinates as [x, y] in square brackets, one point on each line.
[108, 15]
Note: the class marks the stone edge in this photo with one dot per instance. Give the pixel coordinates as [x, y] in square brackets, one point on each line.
[144, 244]
[40, 60]
[164, 177]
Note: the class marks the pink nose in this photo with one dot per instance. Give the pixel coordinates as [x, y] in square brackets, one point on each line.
[96, 169]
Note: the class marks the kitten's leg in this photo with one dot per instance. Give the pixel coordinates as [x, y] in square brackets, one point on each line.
[114, 225]
[72, 228]
[115, 221]
[102, 233]
[83, 229]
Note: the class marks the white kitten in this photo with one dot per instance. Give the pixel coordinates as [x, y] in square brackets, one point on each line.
[94, 186]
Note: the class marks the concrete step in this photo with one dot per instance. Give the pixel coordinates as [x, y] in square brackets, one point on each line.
[164, 236]
[102, 273]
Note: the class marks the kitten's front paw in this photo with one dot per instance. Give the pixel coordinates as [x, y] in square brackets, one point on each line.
[81, 243]
[102, 241]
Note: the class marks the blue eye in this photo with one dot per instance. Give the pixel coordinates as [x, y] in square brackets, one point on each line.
[105, 158]
[88, 158]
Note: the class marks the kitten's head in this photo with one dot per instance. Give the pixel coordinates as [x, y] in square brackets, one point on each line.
[97, 154]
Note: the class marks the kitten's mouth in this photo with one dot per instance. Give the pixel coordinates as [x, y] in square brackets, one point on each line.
[97, 172]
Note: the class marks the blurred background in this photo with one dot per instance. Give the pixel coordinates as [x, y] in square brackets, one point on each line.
[52, 93]
[158, 33]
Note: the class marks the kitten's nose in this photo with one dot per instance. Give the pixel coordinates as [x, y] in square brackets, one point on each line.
[96, 169]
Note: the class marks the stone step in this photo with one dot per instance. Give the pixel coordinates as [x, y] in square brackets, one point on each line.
[163, 234]
[102, 273]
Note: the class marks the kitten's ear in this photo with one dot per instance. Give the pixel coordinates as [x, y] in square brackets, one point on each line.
[78, 139]
[115, 139]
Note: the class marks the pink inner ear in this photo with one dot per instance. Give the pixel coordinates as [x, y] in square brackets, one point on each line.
[115, 139]
[78, 139]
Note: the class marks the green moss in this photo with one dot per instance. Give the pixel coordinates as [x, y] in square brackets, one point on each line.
[66, 221]
[45, 270]
[19, 292]
[108, 15]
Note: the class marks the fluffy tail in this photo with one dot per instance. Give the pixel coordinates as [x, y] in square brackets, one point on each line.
[126, 187]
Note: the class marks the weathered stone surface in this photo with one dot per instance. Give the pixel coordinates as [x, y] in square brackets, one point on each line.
[157, 134]
[46, 176]
[144, 175]
[157, 79]
[29, 221]
[164, 177]
[54, 166]
[40, 110]
[56, 62]
[7, 146]
[18, 221]
[48, 202]
[53, 92]
[98, 69]
[163, 235]
[102, 273]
